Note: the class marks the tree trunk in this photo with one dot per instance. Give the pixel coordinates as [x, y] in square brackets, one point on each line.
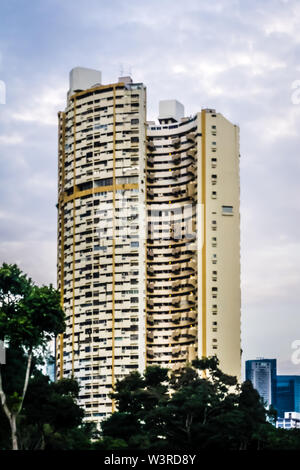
[12, 417]
[13, 425]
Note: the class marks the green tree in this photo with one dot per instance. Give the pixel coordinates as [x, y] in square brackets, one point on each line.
[51, 419]
[140, 401]
[202, 406]
[30, 316]
[196, 407]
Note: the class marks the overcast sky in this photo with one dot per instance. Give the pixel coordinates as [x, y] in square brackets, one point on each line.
[240, 57]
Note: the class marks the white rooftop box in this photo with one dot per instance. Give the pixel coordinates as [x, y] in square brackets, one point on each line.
[82, 78]
[170, 109]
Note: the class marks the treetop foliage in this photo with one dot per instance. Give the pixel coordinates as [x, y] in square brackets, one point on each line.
[29, 315]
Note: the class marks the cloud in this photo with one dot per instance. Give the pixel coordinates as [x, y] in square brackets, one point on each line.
[40, 268]
[12, 139]
[42, 107]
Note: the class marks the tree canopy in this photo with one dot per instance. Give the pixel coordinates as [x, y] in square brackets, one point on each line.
[29, 317]
[197, 407]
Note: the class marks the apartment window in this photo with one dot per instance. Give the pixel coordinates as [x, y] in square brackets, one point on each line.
[104, 182]
[227, 210]
[127, 179]
[214, 194]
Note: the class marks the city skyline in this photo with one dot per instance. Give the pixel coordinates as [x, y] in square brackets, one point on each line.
[236, 58]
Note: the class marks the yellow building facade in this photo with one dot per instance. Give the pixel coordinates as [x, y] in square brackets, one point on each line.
[148, 237]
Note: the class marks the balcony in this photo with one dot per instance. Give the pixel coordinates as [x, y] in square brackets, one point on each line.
[191, 298]
[150, 178]
[176, 142]
[150, 193]
[192, 169]
[176, 317]
[176, 159]
[150, 270]
[191, 353]
[151, 286]
[192, 264]
[176, 351]
[191, 136]
[191, 247]
[192, 332]
[150, 353]
[150, 145]
[191, 189]
[150, 335]
[150, 160]
[191, 315]
[150, 319]
[193, 281]
[176, 251]
[175, 334]
[175, 268]
[150, 303]
[175, 301]
[191, 152]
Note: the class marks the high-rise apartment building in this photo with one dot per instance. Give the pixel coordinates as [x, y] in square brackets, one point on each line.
[148, 237]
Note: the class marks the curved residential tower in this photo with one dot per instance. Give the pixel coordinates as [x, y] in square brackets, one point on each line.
[148, 237]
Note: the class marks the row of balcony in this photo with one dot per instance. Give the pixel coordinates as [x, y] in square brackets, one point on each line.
[175, 141]
[179, 318]
[179, 335]
[187, 191]
[175, 158]
[183, 300]
[174, 174]
[176, 253]
[174, 268]
[175, 284]
[174, 250]
[186, 352]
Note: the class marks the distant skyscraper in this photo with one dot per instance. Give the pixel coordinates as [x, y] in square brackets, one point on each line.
[148, 237]
[287, 394]
[262, 374]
